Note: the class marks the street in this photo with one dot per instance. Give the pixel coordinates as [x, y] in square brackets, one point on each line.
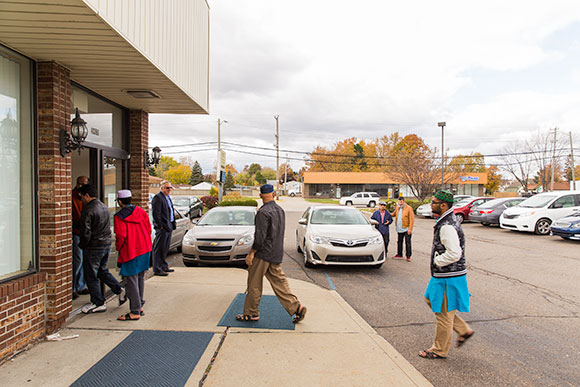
[525, 303]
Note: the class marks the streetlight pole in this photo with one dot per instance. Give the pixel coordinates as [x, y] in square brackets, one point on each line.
[442, 125]
[277, 158]
[219, 157]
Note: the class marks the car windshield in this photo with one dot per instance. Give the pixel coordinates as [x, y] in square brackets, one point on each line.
[463, 202]
[538, 201]
[180, 202]
[492, 203]
[228, 218]
[337, 216]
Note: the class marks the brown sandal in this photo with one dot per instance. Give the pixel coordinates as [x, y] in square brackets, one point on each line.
[427, 354]
[463, 338]
[300, 314]
[127, 317]
[247, 317]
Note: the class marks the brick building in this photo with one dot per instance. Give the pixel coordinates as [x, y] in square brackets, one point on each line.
[115, 62]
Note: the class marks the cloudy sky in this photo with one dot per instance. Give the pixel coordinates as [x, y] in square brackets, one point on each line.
[495, 71]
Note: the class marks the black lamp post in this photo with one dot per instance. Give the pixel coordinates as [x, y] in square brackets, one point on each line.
[78, 135]
[154, 159]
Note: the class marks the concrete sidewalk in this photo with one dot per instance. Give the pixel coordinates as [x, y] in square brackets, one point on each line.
[333, 346]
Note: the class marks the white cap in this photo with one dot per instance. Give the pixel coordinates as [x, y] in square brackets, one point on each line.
[123, 194]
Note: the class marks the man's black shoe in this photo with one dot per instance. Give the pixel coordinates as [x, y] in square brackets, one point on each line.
[84, 291]
[169, 270]
[162, 273]
[75, 295]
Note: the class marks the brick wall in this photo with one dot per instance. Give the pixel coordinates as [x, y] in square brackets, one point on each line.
[139, 141]
[22, 317]
[54, 173]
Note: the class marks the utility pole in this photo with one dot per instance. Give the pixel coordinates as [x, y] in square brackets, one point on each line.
[553, 160]
[442, 125]
[286, 172]
[218, 164]
[572, 162]
[277, 157]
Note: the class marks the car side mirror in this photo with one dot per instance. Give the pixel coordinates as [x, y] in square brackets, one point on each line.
[373, 222]
[303, 221]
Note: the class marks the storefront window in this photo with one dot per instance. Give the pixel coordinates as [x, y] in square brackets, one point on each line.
[104, 120]
[17, 230]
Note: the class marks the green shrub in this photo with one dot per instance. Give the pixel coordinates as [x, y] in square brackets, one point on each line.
[241, 202]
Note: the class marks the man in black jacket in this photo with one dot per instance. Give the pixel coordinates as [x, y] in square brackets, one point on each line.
[95, 241]
[164, 224]
[265, 260]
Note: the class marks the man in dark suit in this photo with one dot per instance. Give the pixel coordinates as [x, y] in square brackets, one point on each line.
[164, 224]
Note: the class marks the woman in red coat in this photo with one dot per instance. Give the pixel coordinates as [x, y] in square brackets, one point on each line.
[133, 242]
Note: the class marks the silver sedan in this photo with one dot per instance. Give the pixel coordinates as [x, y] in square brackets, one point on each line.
[223, 235]
[331, 235]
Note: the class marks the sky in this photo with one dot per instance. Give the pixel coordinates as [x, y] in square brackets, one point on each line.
[496, 72]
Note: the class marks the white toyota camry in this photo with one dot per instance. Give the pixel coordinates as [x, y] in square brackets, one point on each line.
[331, 235]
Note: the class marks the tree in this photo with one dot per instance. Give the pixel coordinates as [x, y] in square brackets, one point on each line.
[254, 168]
[229, 183]
[414, 163]
[178, 175]
[360, 156]
[517, 163]
[541, 148]
[544, 176]
[244, 178]
[290, 174]
[493, 180]
[260, 178]
[345, 156]
[196, 176]
[568, 169]
[165, 163]
[473, 162]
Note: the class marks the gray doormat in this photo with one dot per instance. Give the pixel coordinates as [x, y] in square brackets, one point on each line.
[149, 358]
[272, 314]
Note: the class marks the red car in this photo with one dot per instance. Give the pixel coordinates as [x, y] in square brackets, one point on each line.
[462, 208]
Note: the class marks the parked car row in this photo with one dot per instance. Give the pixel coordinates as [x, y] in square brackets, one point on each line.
[190, 206]
[425, 209]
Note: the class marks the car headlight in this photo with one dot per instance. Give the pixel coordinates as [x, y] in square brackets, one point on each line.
[575, 225]
[188, 239]
[318, 239]
[246, 239]
[529, 213]
[375, 240]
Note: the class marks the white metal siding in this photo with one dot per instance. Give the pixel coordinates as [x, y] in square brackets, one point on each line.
[173, 35]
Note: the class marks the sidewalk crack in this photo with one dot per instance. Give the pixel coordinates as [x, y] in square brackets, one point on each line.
[216, 353]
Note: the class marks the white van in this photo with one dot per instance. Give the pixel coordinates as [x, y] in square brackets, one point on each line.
[537, 213]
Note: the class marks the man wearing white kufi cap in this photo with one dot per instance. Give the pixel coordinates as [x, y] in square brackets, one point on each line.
[133, 241]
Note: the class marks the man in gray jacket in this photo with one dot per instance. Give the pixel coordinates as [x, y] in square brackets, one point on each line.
[265, 259]
[96, 243]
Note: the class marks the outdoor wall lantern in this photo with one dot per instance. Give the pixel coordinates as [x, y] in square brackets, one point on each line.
[153, 160]
[78, 135]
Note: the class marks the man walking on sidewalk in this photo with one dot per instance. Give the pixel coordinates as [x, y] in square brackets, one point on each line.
[384, 218]
[404, 221]
[96, 244]
[164, 223]
[133, 242]
[265, 259]
[447, 290]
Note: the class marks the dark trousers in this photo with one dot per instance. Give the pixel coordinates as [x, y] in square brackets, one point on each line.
[160, 250]
[386, 242]
[404, 236]
[95, 263]
[135, 288]
[78, 272]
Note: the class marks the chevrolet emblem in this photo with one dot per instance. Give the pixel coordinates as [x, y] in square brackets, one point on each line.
[213, 244]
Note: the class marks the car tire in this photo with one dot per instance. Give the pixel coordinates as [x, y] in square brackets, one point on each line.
[372, 204]
[563, 237]
[377, 266]
[307, 263]
[298, 249]
[460, 218]
[292, 194]
[543, 226]
[348, 203]
[190, 264]
[484, 224]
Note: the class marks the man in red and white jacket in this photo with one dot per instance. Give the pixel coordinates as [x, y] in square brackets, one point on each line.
[133, 242]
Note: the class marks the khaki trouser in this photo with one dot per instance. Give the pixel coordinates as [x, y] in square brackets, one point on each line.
[447, 322]
[273, 272]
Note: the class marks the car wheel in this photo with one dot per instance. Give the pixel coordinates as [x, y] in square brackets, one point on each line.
[372, 204]
[298, 244]
[460, 218]
[543, 226]
[377, 266]
[349, 203]
[190, 264]
[563, 237]
[306, 261]
[484, 224]
[292, 194]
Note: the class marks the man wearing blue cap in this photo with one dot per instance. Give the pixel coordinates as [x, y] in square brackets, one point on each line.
[265, 259]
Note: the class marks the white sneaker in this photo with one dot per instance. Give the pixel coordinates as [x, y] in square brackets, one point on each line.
[122, 297]
[92, 308]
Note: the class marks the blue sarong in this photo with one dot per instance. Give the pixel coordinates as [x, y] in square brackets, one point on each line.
[457, 293]
[136, 265]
